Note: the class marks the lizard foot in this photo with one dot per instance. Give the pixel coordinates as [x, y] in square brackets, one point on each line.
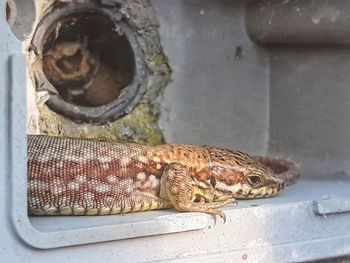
[218, 213]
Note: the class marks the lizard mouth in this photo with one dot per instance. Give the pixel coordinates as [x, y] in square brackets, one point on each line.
[264, 191]
[247, 192]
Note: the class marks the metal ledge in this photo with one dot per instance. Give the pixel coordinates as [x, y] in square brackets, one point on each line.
[284, 227]
[332, 206]
[296, 252]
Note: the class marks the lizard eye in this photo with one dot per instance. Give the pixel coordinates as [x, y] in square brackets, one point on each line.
[212, 181]
[254, 180]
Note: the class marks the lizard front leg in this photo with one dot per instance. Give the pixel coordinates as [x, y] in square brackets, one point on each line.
[182, 192]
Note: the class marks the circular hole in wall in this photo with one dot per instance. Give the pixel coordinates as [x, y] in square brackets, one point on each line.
[88, 63]
[93, 61]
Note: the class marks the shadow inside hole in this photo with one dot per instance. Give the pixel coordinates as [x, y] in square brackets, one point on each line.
[87, 59]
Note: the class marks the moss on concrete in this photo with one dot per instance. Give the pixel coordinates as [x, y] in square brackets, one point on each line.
[140, 126]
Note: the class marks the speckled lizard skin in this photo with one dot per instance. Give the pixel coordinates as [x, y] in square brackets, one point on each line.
[91, 177]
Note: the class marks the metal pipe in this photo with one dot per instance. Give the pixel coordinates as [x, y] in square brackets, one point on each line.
[295, 22]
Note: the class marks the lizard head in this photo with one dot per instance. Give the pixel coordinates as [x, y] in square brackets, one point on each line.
[238, 175]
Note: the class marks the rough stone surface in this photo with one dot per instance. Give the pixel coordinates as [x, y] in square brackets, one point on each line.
[141, 123]
[140, 126]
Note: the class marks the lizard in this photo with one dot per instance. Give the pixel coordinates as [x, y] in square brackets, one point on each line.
[68, 176]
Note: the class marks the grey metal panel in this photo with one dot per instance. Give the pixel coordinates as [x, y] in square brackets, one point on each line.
[219, 93]
[310, 105]
[21, 18]
[8, 45]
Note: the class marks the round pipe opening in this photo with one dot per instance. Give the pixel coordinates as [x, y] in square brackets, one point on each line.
[87, 59]
[90, 57]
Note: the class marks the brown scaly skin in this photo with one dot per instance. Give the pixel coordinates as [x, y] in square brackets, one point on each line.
[91, 177]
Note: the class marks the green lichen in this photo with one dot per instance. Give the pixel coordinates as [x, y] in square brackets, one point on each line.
[140, 126]
[159, 61]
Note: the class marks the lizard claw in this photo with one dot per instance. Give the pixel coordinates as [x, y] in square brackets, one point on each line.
[223, 216]
[214, 219]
